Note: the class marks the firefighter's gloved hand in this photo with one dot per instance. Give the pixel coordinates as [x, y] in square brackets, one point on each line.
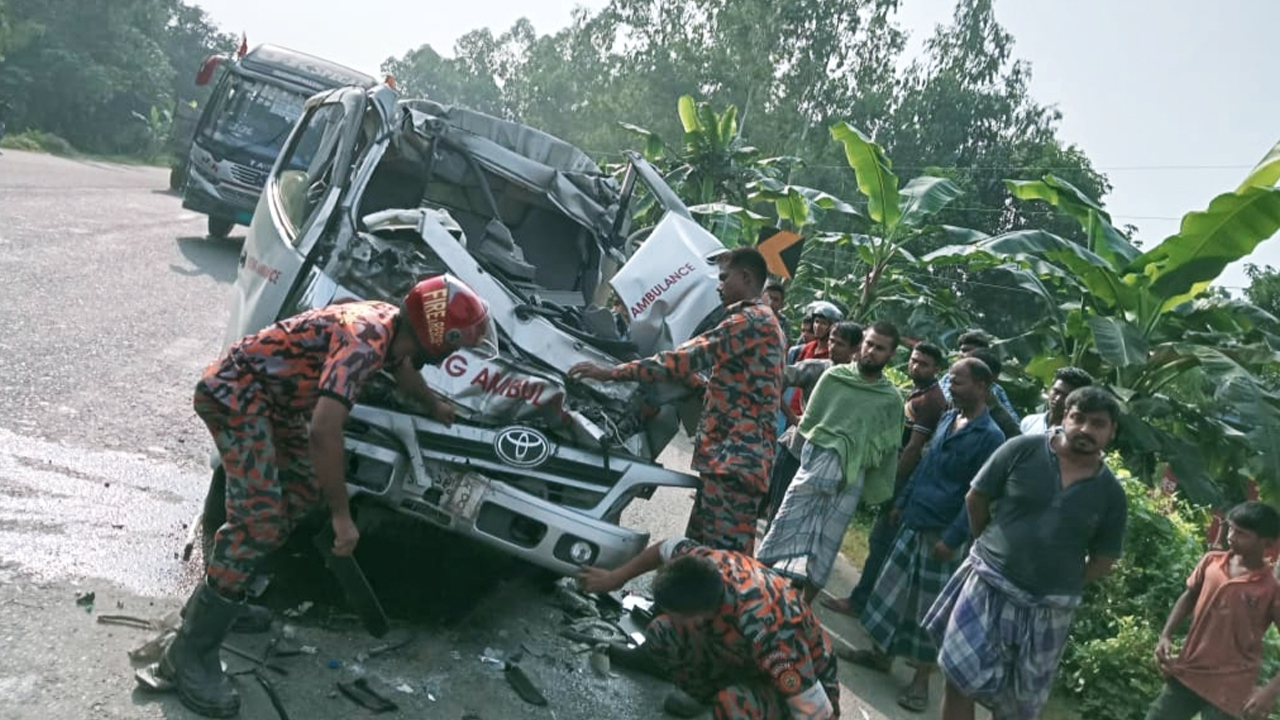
[345, 536]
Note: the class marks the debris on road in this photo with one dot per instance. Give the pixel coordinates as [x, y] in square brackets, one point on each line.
[391, 646]
[359, 692]
[254, 659]
[127, 621]
[523, 686]
[272, 695]
[300, 610]
[599, 660]
[567, 598]
[149, 679]
[594, 630]
[152, 649]
[85, 599]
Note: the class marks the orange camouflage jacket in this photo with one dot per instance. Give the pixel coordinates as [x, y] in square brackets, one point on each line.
[742, 357]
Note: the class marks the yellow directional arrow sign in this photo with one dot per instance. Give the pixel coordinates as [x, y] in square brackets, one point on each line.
[781, 252]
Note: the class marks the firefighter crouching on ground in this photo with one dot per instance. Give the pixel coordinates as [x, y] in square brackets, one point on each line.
[258, 400]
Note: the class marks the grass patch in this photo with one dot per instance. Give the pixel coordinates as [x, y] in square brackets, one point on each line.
[39, 141]
[44, 142]
[854, 546]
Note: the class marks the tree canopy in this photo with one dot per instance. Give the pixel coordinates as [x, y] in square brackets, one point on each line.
[791, 69]
[92, 72]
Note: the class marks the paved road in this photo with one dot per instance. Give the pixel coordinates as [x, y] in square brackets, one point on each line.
[115, 301]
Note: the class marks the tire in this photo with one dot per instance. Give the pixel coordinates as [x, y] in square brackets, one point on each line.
[220, 228]
[215, 511]
[177, 177]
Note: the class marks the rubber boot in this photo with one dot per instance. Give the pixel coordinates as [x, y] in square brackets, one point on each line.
[252, 618]
[192, 661]
[637, 659]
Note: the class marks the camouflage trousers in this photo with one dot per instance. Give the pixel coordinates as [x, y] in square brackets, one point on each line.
[719, 675]
[724, 513]
[270, 487]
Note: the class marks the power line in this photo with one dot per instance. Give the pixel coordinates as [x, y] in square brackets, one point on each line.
[1007, 168]
[1112, 168]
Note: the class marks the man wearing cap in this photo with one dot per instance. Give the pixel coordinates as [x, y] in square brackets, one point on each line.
[734, 443]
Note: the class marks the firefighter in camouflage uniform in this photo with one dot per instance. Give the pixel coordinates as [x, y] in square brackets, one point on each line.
[737, 432]
[275, 404]
[732, 634]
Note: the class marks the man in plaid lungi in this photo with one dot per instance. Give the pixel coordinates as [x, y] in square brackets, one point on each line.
[1048, 517]
[933, 531]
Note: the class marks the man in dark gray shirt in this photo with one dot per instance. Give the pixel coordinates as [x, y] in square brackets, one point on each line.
[1048, 517]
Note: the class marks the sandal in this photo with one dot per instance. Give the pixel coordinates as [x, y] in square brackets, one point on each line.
[913, 701]
[865, 658]
[840, 605]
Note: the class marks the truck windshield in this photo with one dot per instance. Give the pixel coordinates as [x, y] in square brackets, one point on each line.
[254, 113]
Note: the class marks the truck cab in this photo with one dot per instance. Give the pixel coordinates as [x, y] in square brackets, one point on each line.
[244, 124]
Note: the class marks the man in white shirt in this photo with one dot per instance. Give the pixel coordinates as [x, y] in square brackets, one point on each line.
[1065, 380]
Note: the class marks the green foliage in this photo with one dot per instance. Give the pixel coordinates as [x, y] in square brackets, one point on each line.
[1115, 677]
[1192, 366]
[36, 141]
[793, 68]
[157, 123]
[871, 169]
[87, 71]
[1108, 665]
[882, 282]
[1264, 287]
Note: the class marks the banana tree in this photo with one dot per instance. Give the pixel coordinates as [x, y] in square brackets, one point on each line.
[726, 183]
[1188, 363]
[896, 216]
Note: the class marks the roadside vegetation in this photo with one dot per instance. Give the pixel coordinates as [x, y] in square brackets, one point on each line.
[100, 78]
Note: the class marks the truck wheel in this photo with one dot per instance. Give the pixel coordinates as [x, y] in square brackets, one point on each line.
[215, 511]
[220, 228]
[177, 177]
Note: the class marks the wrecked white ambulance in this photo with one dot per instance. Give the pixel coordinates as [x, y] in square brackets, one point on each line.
[372, 193]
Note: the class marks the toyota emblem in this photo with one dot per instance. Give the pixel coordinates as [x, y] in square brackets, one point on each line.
[522, 446]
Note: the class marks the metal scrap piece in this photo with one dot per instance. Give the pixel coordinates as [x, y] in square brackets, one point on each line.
[253, 659]
[127, 621]
[359, 692]
[523, 686]
[272, 695]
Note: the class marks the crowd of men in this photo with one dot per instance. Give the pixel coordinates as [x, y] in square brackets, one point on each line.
[989, 526]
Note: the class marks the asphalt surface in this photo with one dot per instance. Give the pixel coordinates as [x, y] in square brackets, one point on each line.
[115, 301]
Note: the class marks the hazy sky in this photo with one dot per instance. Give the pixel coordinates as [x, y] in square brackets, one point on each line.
[1169, 98]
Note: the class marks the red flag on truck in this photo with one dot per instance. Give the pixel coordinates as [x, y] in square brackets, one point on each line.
[244, 45]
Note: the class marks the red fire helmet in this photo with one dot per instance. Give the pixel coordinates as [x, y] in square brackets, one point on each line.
[447, 315]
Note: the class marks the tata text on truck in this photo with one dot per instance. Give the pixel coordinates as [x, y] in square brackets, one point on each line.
[370, 194]
[245, 122]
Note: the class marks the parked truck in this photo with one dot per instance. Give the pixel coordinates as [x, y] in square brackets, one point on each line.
[257, 99]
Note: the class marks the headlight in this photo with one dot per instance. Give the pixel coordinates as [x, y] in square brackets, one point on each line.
[581, 552]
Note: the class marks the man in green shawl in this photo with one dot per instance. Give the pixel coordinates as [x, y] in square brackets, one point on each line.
[853, 425]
